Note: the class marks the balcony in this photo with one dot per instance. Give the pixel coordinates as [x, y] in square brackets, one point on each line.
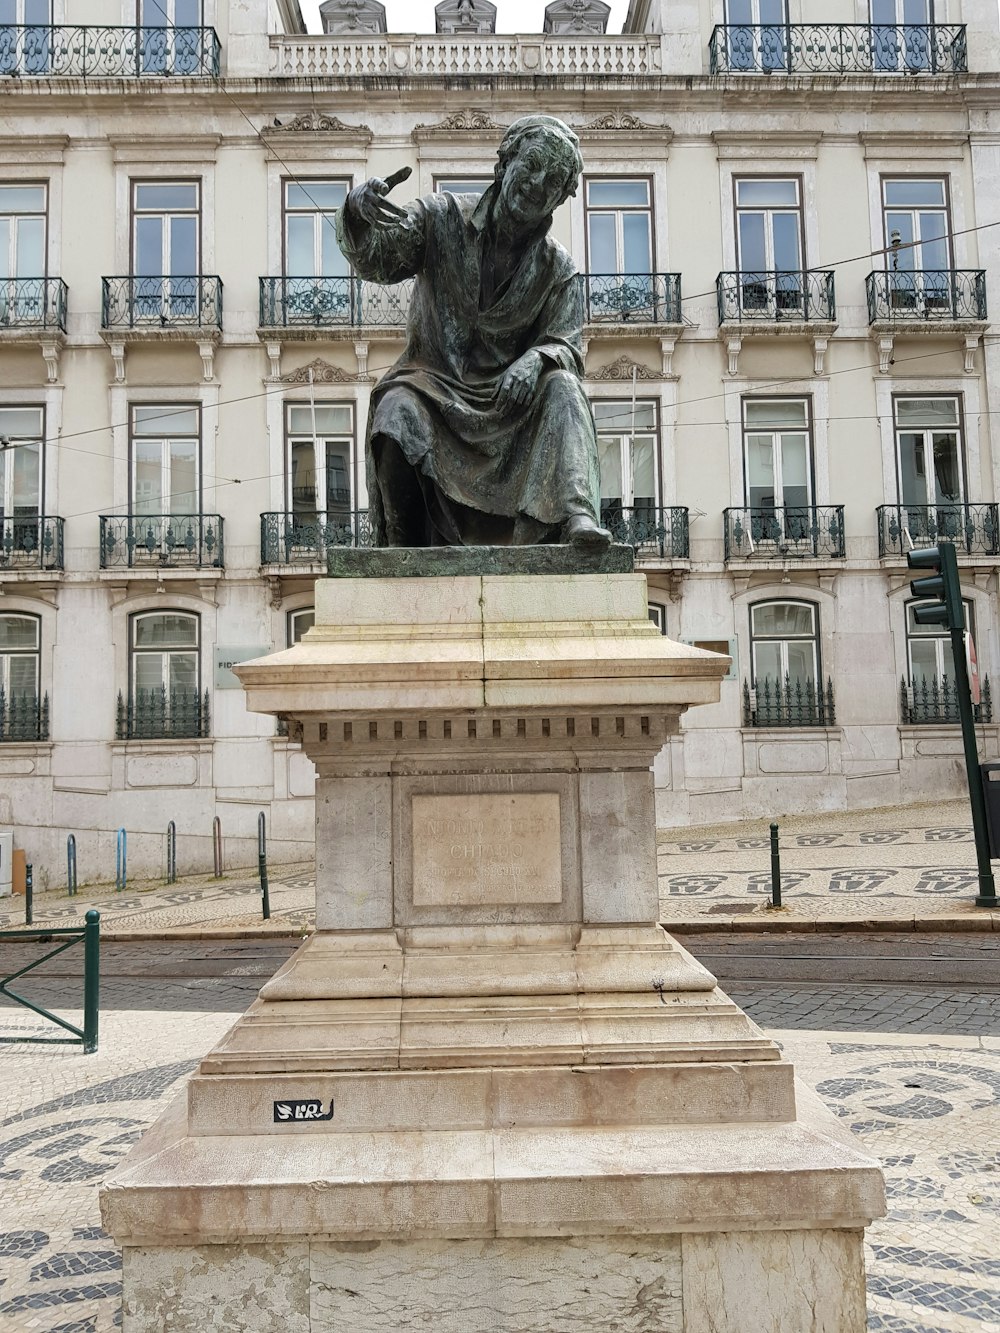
[23, 717]
[632, 298]
[974, 528]
[162, 541]
[33, 305]
[791, 532]
[918, 296]
[788, 703]
[657, 534]
[156, 715]
[31, 543]
[838, 48]
[292, 541]
[306, 304]
[934, 702]
[161, 304]
[776, 297]
[61, 52]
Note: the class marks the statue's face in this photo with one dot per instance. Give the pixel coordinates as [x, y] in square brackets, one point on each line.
[533, 185]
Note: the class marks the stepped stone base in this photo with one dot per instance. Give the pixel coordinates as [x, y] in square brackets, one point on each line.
[491, 1094]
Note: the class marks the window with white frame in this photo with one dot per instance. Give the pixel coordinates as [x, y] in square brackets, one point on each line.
[316, 276]
[168, 44]
[784, 643]
[627, 437]
[320, 464]
[928, 648]
[758, 35]
[166, 249]
[477, 185]
[917, 229]
[658, 615]
[166, 459]
[22, 457]
[901, 36]
[164, 698]
[25, 36]
[298, 623]
[23, 713]
[930, 462]
[23, 266]
[619, 225]
[769, 244]
[777, 454]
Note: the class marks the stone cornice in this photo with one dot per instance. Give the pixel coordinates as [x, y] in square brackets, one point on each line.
[468, 125]
[933, 144]
[622, 127]
[313, 122]
[165, 147]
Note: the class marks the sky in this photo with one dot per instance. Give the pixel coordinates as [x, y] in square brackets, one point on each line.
[418, 15]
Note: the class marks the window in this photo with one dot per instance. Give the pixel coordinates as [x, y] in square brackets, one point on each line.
[166, 249]
[930, 463]
[298, 623]
[619, 226]
[778, 467]
[164, 678]
[317, 284]
[166, 448]
[30, 49]
[22, 432]
[23, 713]
[769, 242]
[928, 692]
[477, 185]
[320, 469]
[22, 251]
[784, 643]
[918, 244]
[658, 615]
[900, 34]
[769, 44]
[168, 44]
[626, 443]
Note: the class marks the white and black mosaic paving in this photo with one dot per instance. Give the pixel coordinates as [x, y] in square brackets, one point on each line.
[923, 1098]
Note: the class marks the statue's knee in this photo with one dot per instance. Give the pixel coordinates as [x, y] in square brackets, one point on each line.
[561, 386]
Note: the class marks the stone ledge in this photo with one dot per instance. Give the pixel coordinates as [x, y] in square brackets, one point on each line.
[394, 562]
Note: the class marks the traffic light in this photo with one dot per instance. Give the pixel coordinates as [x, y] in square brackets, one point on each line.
[940, 591]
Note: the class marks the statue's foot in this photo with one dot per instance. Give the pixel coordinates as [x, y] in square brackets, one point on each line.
[581, 530]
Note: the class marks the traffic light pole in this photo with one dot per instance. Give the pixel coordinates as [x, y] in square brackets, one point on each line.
[987, 896]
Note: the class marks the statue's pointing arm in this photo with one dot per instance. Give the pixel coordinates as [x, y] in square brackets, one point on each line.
[384, 243]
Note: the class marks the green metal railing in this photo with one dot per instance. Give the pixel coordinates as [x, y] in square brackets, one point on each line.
[90, 936]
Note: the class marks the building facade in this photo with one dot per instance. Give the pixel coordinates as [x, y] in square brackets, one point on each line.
[788, 231]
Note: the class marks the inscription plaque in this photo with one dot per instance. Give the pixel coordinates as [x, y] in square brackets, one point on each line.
[486, 849]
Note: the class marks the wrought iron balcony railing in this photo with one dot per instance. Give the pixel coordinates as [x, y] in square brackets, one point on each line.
[325, 302]
[975, 529]
[58, 51]
[146, 715]
[770, 296]
[632, 298]
[650, 531]
[927, 702]
[162, 302]
[926, 295]
[31, 543]
[32, 303]
[23, 716]
[162, 541]
[838, 48]
[290, 539]
[788, 703]
[791, 532]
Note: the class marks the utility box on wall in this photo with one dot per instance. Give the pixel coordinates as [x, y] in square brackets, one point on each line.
[6, 861]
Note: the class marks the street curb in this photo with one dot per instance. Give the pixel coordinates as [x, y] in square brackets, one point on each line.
[183, 933]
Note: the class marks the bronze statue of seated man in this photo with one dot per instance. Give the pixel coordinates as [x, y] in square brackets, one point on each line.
[481, 433]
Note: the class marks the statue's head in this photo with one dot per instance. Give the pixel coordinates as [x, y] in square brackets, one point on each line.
[538, 168]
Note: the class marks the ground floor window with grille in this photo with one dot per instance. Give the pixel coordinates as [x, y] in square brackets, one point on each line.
[927, 691]
[297, 622]
[164, 699]
[24, 711]
[786, 685]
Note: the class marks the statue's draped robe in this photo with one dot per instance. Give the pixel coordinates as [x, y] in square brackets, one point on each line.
[534, 465]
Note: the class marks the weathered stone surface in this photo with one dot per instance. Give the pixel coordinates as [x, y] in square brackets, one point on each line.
[577, 16]
[395, 562]
[352, 16]
[474, 17]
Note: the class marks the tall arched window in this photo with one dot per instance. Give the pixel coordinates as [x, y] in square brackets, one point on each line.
[164, 699]
[786, 686]
[23, 709]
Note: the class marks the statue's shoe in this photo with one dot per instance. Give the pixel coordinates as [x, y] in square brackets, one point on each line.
[581, 530]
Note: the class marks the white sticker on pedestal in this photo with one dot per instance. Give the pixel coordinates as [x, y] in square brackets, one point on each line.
[485, 850]
[296, 1110]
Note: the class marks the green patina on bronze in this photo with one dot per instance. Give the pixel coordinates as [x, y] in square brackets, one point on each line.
[481, 434]
[349, 562]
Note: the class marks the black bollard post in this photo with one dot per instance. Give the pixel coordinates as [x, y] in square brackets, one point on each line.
[262, 865]
[29, 906]
[775, 868]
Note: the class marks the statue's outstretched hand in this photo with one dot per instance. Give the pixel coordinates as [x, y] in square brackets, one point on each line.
[520, 382]
[371, 205]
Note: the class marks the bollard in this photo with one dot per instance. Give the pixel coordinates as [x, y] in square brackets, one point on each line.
[121, 860]
[775, 868]
[71, 865]
[91, 980]
[29, 906]
[171, 853]
[217, 846]
[262, 864]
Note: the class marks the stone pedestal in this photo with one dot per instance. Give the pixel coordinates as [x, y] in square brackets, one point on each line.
[491, 1093]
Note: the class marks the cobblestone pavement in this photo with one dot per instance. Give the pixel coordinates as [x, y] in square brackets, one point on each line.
[920, 1092]
[914, 866]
